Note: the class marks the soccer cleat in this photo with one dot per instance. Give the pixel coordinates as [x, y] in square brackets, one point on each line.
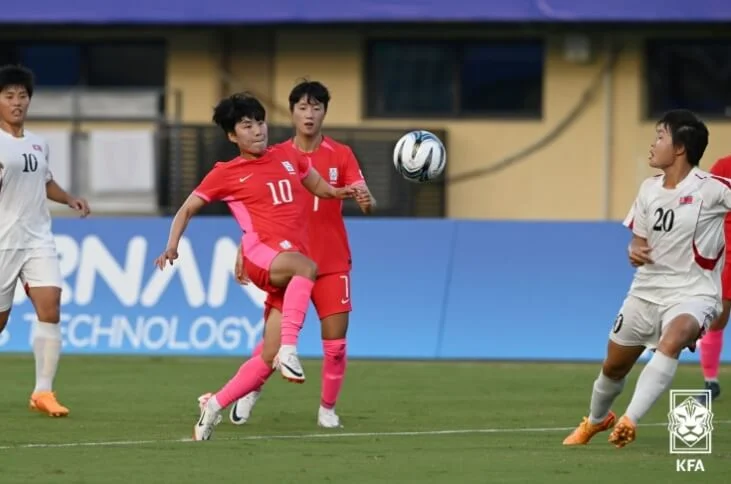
[327, 418]
[715, 389]
[241, 410]
[45, 402]
[289, 364]
[202, 401]
[203, 429]
[624, 432]
[586, 430]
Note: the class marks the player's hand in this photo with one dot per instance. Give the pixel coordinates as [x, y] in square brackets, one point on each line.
[639, 253]
[168, 256]
[344, 192]
[240, 271]
[80, 205]
[363, 197]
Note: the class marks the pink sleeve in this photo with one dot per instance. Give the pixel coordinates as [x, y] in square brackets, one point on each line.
[211, 188]
[353, 174]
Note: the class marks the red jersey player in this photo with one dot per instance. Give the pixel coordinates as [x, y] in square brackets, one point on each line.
[265, 191]
[308, 103]
[712, 343]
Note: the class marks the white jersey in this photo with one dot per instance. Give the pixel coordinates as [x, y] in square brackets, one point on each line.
[25, 221]
[684, 227]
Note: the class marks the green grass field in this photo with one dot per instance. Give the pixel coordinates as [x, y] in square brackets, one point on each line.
[404, 422]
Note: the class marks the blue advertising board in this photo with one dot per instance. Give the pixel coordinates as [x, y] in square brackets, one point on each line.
[421, 289]
[213, 12]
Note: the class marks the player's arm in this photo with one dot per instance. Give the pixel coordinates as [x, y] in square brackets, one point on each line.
[192, 205]
[313, 182]
[209, 190]
[354, 177]
[57, 194]
[639, 249]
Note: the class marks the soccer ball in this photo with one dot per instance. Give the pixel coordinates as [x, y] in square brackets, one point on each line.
[419, 156]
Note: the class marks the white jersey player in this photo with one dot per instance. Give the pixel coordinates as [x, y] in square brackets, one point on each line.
[27, 247]
[677, 224]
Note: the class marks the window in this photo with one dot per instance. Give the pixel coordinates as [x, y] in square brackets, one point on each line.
[691, 74]
[110, 65]
[128, 65]
[475, 78]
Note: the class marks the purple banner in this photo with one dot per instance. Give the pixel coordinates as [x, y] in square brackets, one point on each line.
[361, 11]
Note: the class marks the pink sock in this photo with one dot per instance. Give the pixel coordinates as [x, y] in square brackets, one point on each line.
[294, 308]
[258, 350]
[333, 371]
[711, 346]
[251, 375]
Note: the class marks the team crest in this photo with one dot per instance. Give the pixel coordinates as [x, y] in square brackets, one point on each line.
[38, 148]
[333, 175]
[288, 166]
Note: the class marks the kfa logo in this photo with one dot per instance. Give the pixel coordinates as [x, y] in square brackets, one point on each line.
[333, 175]
[690, 423]
[288, 166]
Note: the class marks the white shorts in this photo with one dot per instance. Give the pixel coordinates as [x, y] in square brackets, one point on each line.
[641, 323]
[35, 267]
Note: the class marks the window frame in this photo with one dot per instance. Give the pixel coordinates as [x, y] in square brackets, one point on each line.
[456, 46]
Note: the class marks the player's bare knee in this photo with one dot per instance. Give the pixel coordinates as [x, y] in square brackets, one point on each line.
[4, 316]
[615, 370]
[47, 303]
[306, 267]
[681, 332]
[334, 327]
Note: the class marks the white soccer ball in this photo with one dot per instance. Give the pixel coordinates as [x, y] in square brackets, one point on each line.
[419, 156]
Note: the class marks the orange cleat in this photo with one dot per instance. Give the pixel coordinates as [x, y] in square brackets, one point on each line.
[45, 402]
[624, 432]
[586, 430]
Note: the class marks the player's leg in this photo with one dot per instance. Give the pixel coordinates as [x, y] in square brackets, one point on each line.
[632, 330]
[711, 345]
[682, 325]
[268, 348]
[41, 276]
[10, 263]
[250, 377]
[296, 273]
[331, 297]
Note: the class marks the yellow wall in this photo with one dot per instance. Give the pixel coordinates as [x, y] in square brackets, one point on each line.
[565, 180]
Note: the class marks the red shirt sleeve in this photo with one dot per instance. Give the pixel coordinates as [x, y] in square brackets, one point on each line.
[212, 187]
[353, 174]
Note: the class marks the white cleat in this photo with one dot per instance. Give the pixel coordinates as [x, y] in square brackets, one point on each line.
[241, 409]
[202, 401]
[208, 419]
[289, 364]
[327, 418]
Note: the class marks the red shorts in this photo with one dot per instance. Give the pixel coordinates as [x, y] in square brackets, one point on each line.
[330, 295]
[258, 259]
[726, 282]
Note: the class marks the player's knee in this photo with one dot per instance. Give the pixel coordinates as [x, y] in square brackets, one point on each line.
[334, 350]
[4, 316]
[614, 371]
[306, 267]
[681, 332]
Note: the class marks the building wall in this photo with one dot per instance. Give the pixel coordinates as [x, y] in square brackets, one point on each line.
[592, 171]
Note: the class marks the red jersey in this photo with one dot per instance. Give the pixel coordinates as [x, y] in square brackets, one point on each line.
[265, 196]
[722, 168]
[328, 244]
